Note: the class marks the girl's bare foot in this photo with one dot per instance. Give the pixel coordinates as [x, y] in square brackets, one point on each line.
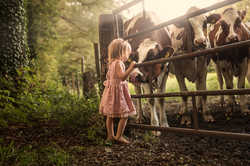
[123, 140]
[109, 141]
[110, 138]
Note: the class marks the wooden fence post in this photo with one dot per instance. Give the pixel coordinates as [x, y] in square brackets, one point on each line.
[97, 62]
[107, 33]
[77, 85]
[82, 70]
[73, 82]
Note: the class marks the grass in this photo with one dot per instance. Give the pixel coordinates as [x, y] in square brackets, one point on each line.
[172, 84]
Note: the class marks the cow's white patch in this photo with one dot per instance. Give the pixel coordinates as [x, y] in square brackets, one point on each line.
[230, 17]
[174, 32]
[217, 35]
[246, 28]
[161, 77]
[144, 47]
[197, 25]
[153, 112]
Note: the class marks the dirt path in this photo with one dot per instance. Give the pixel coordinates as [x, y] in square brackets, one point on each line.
[169, 149]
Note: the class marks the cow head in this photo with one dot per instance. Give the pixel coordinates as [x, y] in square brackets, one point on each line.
[148, 51]
[227, 27]
[197, 26]
[147, 47]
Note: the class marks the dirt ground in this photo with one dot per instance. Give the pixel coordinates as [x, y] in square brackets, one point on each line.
[171, 149]
[168, 149]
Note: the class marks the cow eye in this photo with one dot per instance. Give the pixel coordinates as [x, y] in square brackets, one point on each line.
[224, 26]
[205, 24]
[237, 23]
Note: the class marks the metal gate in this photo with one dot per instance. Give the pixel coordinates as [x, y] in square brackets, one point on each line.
[110, 27]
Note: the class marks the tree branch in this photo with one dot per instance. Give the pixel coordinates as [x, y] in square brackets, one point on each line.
[84, 31]
[89, 4]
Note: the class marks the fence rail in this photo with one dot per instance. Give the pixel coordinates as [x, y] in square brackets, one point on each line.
[229, 135]
[208, 52]
[126, 6]
[183, 17]
[196, 93]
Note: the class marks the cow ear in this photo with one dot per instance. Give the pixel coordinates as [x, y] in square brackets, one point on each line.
[180, 24]
[212, 19]
[242, 14]
[133, 57]
[166, 52]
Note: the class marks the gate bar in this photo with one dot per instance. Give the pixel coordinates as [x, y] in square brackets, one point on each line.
[196, 93]
[180, 18]
[196, 53]
[126, 6]
[230, 135]
[194, 113]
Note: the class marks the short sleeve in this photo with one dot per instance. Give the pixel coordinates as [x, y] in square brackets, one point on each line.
[119, 67]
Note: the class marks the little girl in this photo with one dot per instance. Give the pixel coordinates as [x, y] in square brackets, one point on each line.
[116, 101]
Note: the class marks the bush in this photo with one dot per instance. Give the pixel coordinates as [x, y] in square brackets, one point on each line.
[27, 99]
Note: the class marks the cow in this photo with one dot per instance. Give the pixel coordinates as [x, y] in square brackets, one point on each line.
[248, 25]
[227, 28]
[151, 78]
[248, 66]
[194, 70]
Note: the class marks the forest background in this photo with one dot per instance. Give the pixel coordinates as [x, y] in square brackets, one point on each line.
[42, 43]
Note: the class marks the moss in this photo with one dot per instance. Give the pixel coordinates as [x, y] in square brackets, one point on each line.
[12, 36]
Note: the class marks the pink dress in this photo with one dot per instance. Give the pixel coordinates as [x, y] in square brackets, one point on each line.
[116, 100]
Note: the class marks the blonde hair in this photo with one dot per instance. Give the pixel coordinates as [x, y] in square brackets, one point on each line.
[117, 48]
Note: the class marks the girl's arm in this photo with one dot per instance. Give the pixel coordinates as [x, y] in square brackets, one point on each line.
[123, 75]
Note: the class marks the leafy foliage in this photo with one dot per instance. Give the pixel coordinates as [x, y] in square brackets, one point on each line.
[35, 101]
[61, 32]
[77, 31]
[11, 155]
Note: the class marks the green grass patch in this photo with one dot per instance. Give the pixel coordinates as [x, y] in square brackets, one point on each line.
[172, 85]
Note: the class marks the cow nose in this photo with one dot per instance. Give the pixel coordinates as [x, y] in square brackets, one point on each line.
[200, 42]
[140, 78]
[233, 38]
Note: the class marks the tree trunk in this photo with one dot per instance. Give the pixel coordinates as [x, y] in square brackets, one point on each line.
[12, 36]
[31, 34]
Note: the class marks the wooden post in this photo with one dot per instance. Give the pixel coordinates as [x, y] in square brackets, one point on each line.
[189, 47]
[82, 70]
[73, 82]
[97, 62]
[195, 114]
[107, 33]
[89, 81]
[77, 85]
[118, 26]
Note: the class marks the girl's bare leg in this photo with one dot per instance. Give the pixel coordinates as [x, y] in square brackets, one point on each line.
[110, 128]
[121, 127]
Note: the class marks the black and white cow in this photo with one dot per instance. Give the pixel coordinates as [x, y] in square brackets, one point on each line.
[151, 78]
[191, 69]
[228, 28]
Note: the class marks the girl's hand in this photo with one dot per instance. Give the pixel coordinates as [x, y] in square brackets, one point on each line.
[132, 64]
